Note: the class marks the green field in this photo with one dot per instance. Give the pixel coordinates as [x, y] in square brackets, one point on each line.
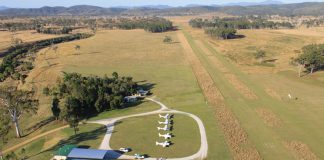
[140, 134]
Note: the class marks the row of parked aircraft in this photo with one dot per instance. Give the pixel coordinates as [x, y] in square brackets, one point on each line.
[165, 128]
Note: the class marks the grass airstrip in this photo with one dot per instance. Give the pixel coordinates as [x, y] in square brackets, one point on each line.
[276, 126]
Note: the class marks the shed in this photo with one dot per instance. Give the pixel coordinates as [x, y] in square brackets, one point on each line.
[130, 99]
[87, 154]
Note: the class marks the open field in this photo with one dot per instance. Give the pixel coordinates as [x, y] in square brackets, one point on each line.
[25, 36]
[276, 126]
[159, 66]
[141, 133]
[280, 46]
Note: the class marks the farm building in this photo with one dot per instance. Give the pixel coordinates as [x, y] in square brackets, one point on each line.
[87, 154]
[130, 99]
[143, 92]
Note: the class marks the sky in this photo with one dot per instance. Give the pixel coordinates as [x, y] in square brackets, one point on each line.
[112, 3]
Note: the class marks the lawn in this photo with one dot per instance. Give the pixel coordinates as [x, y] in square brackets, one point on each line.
[140, 134]
[90, 136]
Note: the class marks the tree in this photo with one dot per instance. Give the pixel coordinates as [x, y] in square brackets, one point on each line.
[55, 108]
[260, 54]
[72, 106]
[55, 47]
[167, 39]
[17, 102]
[46, 91]
[16, 41]
[312, 57]
[77, 48]
[115, 75]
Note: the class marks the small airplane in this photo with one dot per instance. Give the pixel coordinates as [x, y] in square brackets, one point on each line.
[139, 156]
[165, 136]
[165, 116]
[163, 144]
[165, 128]
[125, 150]
[165, 122]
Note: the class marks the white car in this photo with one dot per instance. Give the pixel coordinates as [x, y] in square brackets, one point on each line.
[139, 156]
[125, 150]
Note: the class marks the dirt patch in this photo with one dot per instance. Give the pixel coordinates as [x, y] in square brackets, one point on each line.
[301, 150]
[235, 136]
[269, 118]
[273, 93]
[241, 87]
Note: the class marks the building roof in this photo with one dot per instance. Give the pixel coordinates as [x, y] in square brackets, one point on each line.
[65, 150]
[80, 153]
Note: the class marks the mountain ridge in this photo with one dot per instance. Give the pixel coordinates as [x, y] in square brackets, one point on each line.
[267, 8]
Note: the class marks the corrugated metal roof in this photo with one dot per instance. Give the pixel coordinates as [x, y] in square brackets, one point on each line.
[87, 153]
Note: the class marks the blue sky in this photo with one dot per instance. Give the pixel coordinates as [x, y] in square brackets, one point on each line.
[110, 3]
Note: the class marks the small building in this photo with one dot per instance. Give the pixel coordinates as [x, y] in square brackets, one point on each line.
[63, 152]
[143, 92]
[130, 99]
[87, 154]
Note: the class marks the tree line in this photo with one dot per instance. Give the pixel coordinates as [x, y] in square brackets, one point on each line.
[61, 30]
[11, 62]
[239, 23]
[221, 33]
[76, 97]
[45, 25]
[154, 24]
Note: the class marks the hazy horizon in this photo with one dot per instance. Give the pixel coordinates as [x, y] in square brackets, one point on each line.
[129, 3]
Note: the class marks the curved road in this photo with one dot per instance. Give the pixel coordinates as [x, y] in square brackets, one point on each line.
[201, 154]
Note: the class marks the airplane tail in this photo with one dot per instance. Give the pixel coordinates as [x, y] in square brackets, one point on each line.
[156, 143]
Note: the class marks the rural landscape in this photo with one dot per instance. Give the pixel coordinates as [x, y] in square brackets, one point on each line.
[187, 80]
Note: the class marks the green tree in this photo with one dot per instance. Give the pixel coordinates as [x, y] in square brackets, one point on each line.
[115, 75]
[167, 39]
[55, 108]
[16, 103]
[260, 54]
[312, 57]
[72, 106]
[46, 91]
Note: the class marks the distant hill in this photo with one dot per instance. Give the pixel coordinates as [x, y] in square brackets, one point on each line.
[3, 8]
[263, 8]
[269, 2]
[52, 11]
[309, 8]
